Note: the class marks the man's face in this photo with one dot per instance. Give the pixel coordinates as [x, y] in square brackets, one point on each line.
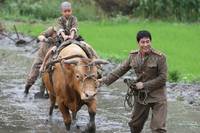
[67, 12]
[145, 45]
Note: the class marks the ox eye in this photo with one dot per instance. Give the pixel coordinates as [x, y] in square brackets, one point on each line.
[78, 76]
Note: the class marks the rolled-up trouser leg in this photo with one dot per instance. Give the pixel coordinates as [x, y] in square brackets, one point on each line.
[139, 117]
[34, 73]
[159, 115]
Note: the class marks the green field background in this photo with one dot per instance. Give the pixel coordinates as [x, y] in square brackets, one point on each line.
[180, 42]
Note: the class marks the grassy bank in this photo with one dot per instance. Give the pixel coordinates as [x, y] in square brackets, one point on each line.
[180, 42]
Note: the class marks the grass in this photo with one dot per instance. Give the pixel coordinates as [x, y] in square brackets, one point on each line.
[180, 42]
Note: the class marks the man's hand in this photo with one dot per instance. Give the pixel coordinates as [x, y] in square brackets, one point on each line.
[41, 38]
[41, 68]
[139, 85]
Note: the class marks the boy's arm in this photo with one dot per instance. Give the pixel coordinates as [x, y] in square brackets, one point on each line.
[74, 27]
[60, 25]
[61, 28]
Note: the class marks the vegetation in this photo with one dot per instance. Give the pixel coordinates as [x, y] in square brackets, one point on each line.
[174, 76]
[111, 30]
[114, 39]
[47, 9]
[173, 10]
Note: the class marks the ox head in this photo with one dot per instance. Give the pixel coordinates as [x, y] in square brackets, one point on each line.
[85, 73]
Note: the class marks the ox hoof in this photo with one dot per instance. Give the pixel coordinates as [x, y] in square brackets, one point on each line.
[68, 126]
[41, 95]
[27, 87]
[91, 128]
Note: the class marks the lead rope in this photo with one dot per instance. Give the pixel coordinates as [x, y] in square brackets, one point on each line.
[145, 97]
[129, 100]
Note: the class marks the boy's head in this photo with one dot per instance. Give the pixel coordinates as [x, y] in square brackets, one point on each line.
[66, 9]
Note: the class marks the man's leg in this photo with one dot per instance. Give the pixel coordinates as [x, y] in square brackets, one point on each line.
[139, 117]
[34, 73]
[159, 115]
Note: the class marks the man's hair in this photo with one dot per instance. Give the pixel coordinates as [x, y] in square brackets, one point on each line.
[143, 33]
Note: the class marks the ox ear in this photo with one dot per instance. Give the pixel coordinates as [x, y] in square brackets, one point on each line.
[69, 62]
[99, 62]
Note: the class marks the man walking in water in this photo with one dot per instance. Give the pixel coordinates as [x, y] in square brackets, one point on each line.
[151, 69]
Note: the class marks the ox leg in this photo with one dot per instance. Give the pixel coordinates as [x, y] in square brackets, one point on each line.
[66, 115]
[91, 127]
[74, 116]
[53, 102]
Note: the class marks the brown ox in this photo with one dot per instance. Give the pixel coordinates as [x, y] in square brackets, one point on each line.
[73, 83]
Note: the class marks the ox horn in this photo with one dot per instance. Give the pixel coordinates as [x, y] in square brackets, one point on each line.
[99, 62]
[74, 62]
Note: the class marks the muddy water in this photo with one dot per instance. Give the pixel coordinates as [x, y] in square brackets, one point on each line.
[22, 114]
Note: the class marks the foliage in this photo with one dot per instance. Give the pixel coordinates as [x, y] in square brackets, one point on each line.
[179, 10]
[174, 76]
[178, 41]
[49, 9]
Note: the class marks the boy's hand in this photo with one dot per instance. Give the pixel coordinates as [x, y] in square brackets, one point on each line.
[70, 37]
[66, 37]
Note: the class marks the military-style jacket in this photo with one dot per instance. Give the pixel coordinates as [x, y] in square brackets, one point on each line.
[50, 32]
[151, 70]
[67, 25]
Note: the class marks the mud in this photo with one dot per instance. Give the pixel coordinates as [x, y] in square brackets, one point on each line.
[22, 114]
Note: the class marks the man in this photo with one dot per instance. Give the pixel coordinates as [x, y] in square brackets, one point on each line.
[47, 40]
[151, 69]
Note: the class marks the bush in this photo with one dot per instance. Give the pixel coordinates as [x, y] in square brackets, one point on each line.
[49, 9]
[180, 10]
[174, 76]
[115, 7]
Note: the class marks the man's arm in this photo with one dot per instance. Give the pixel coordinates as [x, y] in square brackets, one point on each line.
[118, 72]
[159, 81]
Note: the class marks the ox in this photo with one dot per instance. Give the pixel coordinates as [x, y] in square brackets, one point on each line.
[73, 83]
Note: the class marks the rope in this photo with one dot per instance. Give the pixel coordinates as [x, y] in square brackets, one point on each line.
[129, 100]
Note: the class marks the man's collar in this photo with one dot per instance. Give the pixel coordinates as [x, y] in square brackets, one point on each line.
[146, 54]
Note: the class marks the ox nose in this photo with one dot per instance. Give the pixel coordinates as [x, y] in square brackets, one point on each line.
[90, 94]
